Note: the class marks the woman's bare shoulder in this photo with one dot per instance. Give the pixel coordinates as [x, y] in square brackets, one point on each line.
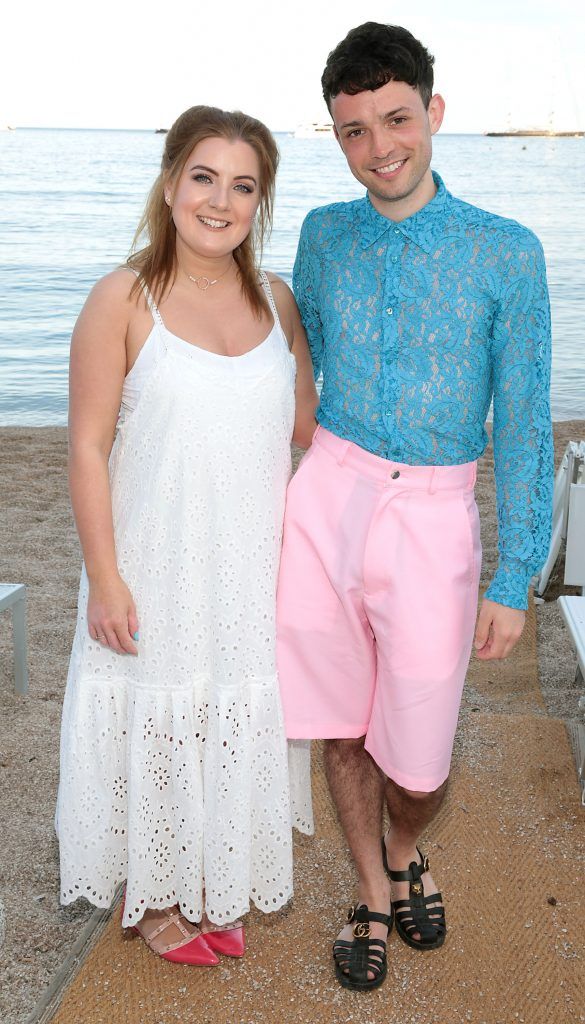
[274, 278]
[111, 297]
[281, 290]
[115, 286]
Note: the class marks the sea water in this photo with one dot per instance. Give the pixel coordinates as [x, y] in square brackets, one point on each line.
[70, 202]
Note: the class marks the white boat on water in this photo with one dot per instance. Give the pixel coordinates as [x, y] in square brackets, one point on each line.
[314, 130]
[563, 121]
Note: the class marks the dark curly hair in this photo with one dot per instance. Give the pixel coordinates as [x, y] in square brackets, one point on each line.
[372, 55]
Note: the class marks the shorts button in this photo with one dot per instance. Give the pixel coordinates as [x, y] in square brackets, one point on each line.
[395, 474]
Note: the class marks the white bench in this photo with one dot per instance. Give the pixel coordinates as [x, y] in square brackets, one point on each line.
[573, 612]
[13, 595]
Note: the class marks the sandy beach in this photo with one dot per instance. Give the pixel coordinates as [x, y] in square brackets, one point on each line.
[39, 547]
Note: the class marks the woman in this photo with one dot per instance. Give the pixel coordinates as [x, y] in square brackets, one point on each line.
[173, 759]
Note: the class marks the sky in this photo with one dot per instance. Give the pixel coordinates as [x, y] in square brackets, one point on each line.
[124, 64]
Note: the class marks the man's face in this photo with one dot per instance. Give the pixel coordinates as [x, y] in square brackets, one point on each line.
[385, 135]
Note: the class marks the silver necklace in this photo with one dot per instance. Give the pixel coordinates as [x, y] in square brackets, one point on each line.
[203, 282]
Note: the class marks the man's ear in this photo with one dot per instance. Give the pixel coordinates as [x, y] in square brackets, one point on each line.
[436, 112]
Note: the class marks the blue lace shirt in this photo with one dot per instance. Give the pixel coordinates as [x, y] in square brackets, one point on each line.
[415, 326]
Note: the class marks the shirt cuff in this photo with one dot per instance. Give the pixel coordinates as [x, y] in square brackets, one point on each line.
[510, 585]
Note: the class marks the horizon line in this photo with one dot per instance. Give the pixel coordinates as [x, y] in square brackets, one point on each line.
[161, 131]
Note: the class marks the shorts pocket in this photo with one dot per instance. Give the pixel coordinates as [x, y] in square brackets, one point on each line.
[473, 537]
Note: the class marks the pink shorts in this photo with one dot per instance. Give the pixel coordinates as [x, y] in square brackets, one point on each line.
[377, 601]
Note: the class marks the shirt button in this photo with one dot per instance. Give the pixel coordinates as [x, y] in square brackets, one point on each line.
[395, 259]
[396, 231]
[389, 311]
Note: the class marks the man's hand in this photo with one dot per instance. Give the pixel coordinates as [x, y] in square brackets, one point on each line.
[498, 630]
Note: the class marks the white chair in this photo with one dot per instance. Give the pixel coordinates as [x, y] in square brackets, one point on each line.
[568, 494]
[573, 612]
[575, 549]
[13, 595]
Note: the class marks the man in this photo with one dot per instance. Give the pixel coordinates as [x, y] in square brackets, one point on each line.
[419, 309]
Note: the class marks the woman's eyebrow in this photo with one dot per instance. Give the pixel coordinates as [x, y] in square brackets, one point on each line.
[210, 170]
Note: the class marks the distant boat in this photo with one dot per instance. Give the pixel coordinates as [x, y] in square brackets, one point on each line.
[562, 111]
[160, 131]
[547, 133]
[314, 130]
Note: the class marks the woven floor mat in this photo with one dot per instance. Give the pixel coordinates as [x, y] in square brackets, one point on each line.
[506, 851]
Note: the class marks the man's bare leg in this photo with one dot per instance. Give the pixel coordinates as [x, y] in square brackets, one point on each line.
[410, 812]
[357, 789]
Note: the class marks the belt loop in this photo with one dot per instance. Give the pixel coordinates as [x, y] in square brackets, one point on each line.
[432, 487]
[342, 453]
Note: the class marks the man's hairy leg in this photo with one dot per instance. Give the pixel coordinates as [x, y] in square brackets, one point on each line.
[410, 812]
[357, 788]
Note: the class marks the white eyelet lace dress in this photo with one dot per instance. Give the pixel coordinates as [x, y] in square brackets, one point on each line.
[175, 773]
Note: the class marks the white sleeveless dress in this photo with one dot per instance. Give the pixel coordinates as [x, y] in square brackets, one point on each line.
[175, 773]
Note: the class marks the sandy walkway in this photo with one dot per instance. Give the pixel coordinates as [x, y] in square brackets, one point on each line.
[39, 547]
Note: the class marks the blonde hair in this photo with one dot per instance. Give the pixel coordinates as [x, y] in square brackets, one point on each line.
[156, 262]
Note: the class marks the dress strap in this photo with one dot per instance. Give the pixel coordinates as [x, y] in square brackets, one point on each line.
[270, 297]
[149, 299]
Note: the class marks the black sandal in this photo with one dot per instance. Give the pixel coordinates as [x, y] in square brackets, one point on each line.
[413, 914]
[353, 960]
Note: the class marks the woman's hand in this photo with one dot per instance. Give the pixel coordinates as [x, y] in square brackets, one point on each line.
[111, 615]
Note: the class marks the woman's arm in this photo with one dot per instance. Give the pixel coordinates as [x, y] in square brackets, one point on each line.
[97, 371]
[306, 398]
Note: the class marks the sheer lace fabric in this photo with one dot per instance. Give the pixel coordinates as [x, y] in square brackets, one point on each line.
[174, 765]
[416, 326]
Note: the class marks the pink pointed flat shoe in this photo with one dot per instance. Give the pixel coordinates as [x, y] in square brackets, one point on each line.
[229, 941]
[192, 950]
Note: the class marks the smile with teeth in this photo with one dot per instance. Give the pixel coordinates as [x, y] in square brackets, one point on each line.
[389, 167]
[213, 223]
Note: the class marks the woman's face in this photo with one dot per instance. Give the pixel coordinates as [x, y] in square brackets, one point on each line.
[215, 198]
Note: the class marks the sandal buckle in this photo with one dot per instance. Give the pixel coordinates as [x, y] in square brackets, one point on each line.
[425, 864]
[361, 930]
[351, 913]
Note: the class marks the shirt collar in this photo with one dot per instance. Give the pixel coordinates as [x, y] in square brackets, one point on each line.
[423, 228]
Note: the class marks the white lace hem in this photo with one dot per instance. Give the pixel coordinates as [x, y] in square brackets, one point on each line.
[178, 792]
